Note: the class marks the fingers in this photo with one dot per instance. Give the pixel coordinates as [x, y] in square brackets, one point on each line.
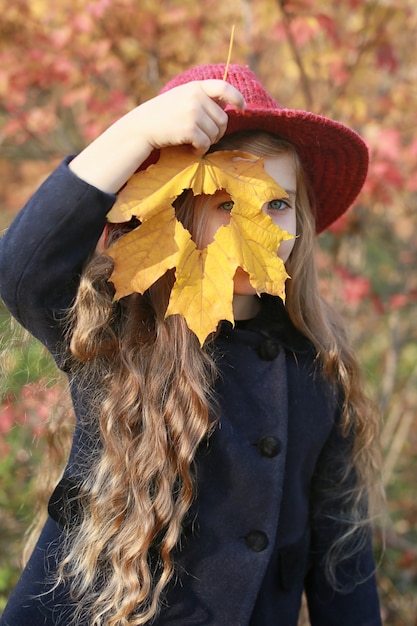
[189, 114]
[223, 92]
[211, 122]
[210, 126]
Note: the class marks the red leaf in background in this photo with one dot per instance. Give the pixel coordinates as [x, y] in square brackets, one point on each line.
[83, 23]
[388, 172]
[378, 305]
[7, 417]
[387, 143]
[410, 155]
[61, 37]
[30, 408]
[383, 179]
[97, 9]
[278, 32]
[303, 30]
[80, 95]
[148, 27]
[176, 17]
[354, 288]
[340, 225]
[329, 26]
[386, 58]
[400, 300]
[412, 148]
[411, 183]
[338, 71]
[408, 560]
[195, 26]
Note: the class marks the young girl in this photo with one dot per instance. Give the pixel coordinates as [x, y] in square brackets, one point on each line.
[205, 485]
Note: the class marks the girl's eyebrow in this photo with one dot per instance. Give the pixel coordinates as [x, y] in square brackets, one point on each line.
[290, 192]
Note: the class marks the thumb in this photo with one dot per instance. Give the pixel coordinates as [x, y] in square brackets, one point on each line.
[223, 93]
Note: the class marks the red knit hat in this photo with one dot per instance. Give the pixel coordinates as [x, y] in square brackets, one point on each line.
[335, 158]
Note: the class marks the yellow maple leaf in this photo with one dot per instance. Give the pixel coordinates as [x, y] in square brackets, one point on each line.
[203, 288]
[251, 245]
[136, 266]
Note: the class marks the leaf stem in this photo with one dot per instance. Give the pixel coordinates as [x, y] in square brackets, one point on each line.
[229, 55]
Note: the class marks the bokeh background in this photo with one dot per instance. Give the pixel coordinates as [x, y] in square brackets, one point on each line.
[68, 69]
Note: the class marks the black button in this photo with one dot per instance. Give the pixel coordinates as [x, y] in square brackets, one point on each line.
[256, 540]
[269, 446]
[268, 350]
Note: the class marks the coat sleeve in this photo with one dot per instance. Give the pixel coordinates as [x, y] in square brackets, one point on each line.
[43, 252]
[353, 599]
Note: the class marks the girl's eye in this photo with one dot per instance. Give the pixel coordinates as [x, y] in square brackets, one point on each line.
[227, 206]
[278, 205]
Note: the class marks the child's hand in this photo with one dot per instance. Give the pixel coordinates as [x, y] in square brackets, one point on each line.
[189, 114]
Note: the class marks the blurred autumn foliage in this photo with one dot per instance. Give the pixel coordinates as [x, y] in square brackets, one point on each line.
[68, 69]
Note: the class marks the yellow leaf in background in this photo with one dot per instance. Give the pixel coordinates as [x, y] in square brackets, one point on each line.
[203, 288]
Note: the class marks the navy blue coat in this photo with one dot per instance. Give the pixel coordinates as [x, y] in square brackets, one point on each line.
[251, 546]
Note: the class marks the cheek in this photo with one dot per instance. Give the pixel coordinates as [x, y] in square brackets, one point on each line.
[213, 222]
[206, 237]
[288, 223]
[285, 249]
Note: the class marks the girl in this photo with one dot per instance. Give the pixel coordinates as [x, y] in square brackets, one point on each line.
[205, 485]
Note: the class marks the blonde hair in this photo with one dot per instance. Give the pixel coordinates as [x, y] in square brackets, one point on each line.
[149, 386]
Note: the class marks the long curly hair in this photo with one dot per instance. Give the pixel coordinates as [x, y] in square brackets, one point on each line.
[150, 386]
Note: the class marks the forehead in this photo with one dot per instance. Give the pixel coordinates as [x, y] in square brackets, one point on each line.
[282, 169]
